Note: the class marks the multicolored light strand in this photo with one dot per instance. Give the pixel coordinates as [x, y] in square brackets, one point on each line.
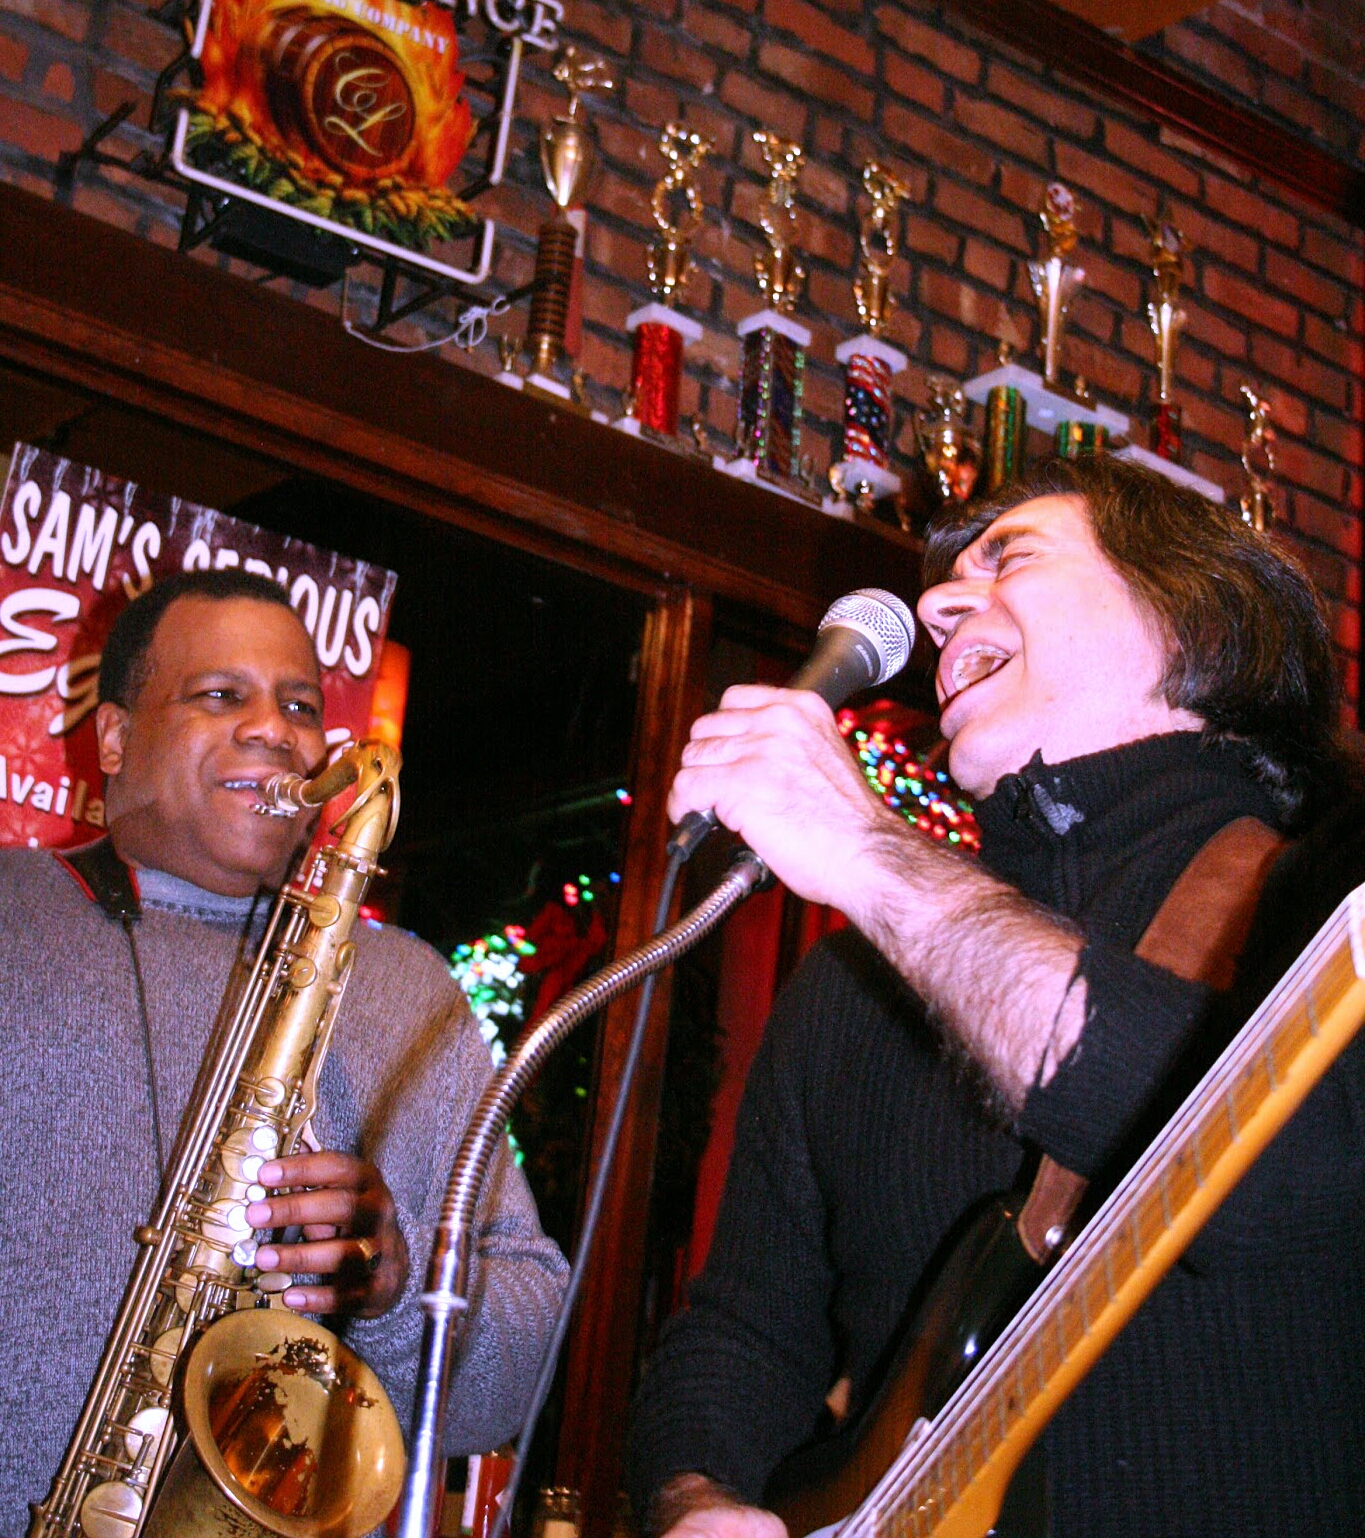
[924, 796]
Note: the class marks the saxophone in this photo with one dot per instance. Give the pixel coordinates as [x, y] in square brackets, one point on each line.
[216, 1413]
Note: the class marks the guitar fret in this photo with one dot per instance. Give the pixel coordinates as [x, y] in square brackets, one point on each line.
[1165, 1200]
[1268, 1057]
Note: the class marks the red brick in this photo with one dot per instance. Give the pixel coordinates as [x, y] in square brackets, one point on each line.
[1290, 276]
[1049, 106]
[1117, 283]
[717, 30]
[1090, 315]
[1345, 625]
[110, 92]
[59, 82]
[1327, 522]
[828, 137]
[606, 25]
[912, 82]
[69, 18]
[939, 146]
[1114, 378]
[1024, 189]
[1215, 422]
[818, 31]
[1155, 162]
[39, 133]
[13, 57]
[1253, 39]
[1344, 91]
[773, 109]
[1100, 179]
[676, 59]
[133, 35]
[649, 101]
[928, 237]
[1326, 570]
[975, 308]
[1328, 341]
[1296, 462]
[1002, 127]
[988, 263]
[1344, 439]
[1250, 301]
[827, 83]
[1343, 259]
[1288, 412]
[1248, 208]
[1217, 237]
[923, 41]
[980, 215]
[1215, 58]
[950, 350]
[1291, 102]
[831, 189]
[1299, 372]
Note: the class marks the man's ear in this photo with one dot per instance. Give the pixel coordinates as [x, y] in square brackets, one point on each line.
[111, 732]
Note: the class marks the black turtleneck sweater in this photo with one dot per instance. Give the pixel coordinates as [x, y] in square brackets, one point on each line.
[1235, 1401]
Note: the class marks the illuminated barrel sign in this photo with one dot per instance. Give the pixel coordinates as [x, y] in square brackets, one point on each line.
[342, 90]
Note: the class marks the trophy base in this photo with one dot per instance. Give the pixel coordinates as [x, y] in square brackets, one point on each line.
[1173, 472]
[859, 484]
[785, 485]
[511, 380]
[542, 384]
[1046, 407]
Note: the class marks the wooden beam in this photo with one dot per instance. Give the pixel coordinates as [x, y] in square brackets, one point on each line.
[1084, 53]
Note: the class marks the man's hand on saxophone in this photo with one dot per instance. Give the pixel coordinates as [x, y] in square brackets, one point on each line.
[352, 1239]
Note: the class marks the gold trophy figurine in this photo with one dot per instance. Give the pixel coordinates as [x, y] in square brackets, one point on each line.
[677, 208]
[1258, 462]
[778, 270]
[1167, 321]
[878, 241]
[567, 156]
[1054, 279]
[661, 333]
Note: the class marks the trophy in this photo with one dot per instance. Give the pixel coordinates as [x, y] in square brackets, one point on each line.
[951, 455]
[769, 432]
[1258, 463]
[660, 332]
[566, 159]
[1054, 279]
[862, 473]
[1167, 321]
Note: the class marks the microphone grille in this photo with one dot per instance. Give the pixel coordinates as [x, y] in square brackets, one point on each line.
[883, 619]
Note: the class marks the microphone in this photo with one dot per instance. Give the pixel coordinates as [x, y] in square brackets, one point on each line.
[864, 639]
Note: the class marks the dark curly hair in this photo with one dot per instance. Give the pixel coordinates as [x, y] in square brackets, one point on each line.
[1249, 648]
[123, 662]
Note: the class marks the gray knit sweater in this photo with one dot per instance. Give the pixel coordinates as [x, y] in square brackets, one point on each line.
[78, 1165]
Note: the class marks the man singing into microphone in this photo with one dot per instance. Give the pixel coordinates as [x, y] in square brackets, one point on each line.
[1124, 671]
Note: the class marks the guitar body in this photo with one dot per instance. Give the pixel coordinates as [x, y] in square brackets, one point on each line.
[985, 1281]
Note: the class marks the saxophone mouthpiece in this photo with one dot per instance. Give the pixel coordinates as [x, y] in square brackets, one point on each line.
[280, 796]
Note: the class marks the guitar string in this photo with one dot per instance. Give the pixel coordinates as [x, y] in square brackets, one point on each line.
[1251, 1041]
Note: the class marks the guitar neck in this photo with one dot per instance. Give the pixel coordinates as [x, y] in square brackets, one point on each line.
[951, 1478]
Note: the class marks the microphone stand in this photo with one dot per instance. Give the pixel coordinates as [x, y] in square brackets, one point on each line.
[445, 1303]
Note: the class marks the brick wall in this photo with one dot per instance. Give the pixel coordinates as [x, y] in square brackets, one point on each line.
[976, 131]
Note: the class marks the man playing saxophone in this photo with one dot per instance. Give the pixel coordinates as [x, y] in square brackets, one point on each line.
[112, 973]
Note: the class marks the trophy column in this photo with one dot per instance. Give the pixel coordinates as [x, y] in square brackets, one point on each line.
[660, 332]
[862, 476]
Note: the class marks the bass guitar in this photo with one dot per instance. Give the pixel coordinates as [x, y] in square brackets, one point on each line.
[950, 1473]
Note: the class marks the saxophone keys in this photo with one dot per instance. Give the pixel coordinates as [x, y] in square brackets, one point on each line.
[145, 1431]
[111, 1510]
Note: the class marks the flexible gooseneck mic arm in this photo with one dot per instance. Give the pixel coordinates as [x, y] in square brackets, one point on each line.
[445, 1303]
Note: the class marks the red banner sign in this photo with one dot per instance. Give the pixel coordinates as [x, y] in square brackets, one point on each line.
[76, 546]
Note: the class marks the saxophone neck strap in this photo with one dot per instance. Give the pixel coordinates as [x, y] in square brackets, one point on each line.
[104, 878]
[1198, 933]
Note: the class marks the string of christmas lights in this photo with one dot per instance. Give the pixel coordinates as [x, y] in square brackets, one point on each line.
[924, 796]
